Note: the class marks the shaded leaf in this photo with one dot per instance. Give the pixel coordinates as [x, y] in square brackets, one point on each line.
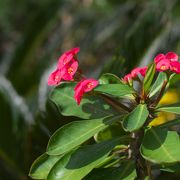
[42, 166]
[91, 107]
[82, 161]
[170, 123]
[161, 146]
[126, 171]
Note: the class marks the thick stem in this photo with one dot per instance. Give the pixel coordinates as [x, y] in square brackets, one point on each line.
[143, 168]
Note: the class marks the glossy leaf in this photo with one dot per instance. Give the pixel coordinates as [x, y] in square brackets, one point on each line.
[170, 109]
[118, 90]
[157, 84]
[135, 119]
[109, 78]
[149, 77]
[112, 131]
[82, 161]
[126, 171]
[91, 107]
[42, 166]
[75, 133]
[161, 146]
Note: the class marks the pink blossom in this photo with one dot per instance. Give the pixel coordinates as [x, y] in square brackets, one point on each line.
[82, 87]
[163, 65]
[175, 67]
[143, 70]
[127, 78]
[67, 57]
[69, 70]
[138, 70]
[163, 62]
[159, 58]
[55, 78]
[171, 56]
[66, 67]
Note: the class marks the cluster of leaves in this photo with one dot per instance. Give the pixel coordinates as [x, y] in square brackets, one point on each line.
[32, 30]
[121, 144]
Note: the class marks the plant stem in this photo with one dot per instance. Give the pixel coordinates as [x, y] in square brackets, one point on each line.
[114, 103]
[143, 169]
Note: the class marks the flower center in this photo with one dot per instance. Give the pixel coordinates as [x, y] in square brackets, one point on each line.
[70, 70]
[90, 85]
[174, 68]
[163, 67]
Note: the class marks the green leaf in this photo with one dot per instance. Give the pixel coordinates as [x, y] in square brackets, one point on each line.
[161, 146]
[109, 78]
[170, 123]
[149, 77]
[118, 90]
[91, 107]
[75, 133]
[158, 84]
[126, 171]
[112, 131]
[174, 168]
[170, 109]
[82, 161]
[42, 166]
[135, 119]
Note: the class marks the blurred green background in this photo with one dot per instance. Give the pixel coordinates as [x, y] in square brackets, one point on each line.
[114, 36]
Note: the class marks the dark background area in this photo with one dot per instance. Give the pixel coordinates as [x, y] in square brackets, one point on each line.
[114, 36]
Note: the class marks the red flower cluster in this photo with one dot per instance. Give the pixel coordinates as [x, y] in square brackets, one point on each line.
[167, 62]
[134, 73]
[66, 67]
[163, 62]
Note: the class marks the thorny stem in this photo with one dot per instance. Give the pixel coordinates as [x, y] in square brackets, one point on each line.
[117, 105]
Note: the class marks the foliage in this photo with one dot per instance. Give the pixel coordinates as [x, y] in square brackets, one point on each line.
[114, 36]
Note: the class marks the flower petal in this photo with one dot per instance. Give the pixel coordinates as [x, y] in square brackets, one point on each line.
[175, 67]
[159, 58]
[55, 78]
[171, 56]
[163, 65]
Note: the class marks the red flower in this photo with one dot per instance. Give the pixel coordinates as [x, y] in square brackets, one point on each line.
[163, 62]
[138, 70]
[171, 56]
[66, 68]
[55, 78]
[134, 73]
[175, 67]
[67, 57]
[163, 65]
[127, 78]
[82, 87]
